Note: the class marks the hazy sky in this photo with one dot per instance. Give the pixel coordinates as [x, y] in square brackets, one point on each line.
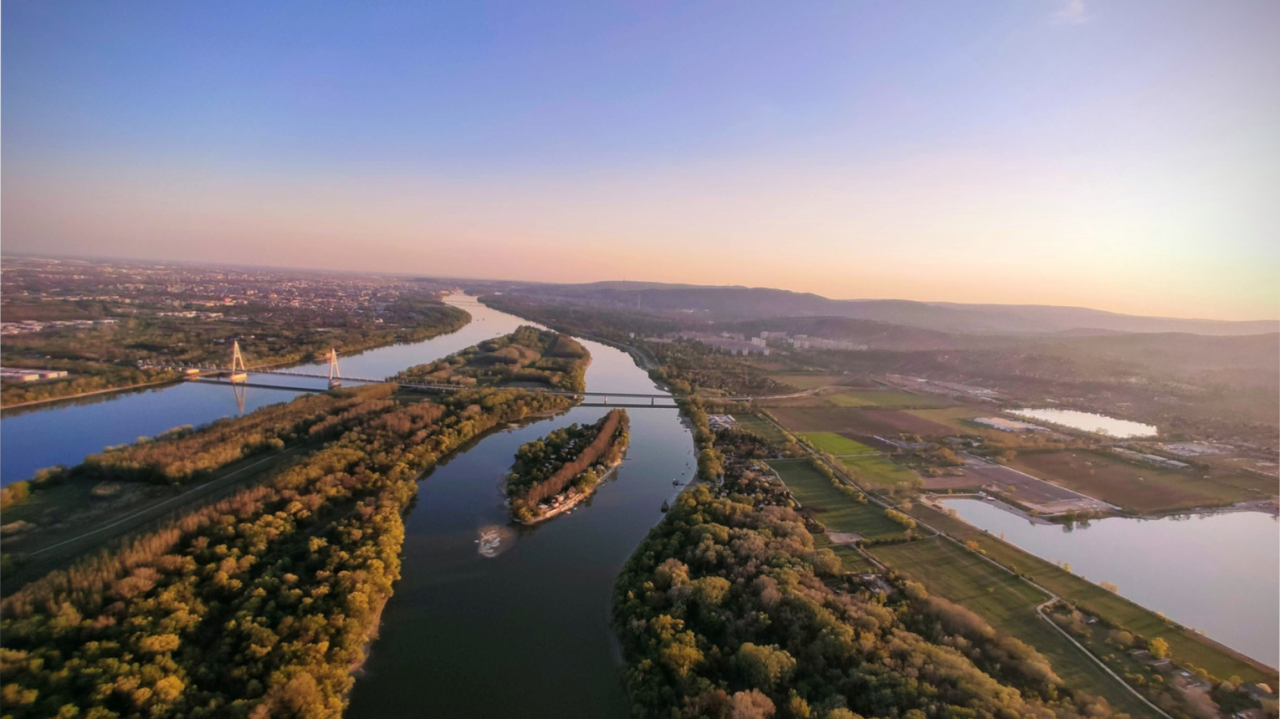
[1122, 155]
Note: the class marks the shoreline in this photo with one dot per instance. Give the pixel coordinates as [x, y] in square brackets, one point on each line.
[70, 397]
[571, 503]
[283, 363]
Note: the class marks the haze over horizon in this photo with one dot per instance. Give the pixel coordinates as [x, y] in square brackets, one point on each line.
[1117, 156]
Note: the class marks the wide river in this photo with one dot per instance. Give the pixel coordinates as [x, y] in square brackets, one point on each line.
[1216, 573]
[41, 436]
[525, 632]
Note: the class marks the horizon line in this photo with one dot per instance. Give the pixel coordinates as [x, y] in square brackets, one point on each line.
[203, 263]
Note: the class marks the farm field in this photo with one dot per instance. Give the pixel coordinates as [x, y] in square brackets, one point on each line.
[887, 398]
[763, 427]
[879, 472]
[802, 381]
[1136, 488]
[1185, 645]
[833, 443]
[958, 418]
[836, 511]
[856, 422]
[1008, 604]
[850, 558]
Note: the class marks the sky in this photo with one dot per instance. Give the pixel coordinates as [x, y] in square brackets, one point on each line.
[1121, 155]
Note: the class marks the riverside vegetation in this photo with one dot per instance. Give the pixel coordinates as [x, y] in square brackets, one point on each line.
[728, 609]
[555, 472]
[258, 604]
[527, 356]
[107, 356]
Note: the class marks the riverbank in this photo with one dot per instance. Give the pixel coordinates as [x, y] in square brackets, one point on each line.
[576, 497]
[554, 473]
[81, 395]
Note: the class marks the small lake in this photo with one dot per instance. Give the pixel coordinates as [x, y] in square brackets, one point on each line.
[1216, 573]
[1089, 422]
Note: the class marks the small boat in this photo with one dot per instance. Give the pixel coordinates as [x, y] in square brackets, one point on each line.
[666, 505]
[675, 483]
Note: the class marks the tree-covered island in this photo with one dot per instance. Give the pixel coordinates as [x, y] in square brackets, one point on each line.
[553, 474]
[528, 357]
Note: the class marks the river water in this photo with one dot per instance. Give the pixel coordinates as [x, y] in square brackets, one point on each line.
[1216, 573]
[525, 632]
[66, 432]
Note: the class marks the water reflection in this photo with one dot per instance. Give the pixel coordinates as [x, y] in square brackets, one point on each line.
[1089, 422]
[33, 438]
[1217, 573]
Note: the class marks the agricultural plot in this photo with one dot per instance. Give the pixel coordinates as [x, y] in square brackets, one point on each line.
[832, 443]
[803, 381]
[1134, 487]
[887, 399]
[855, 422]
[760, 426]
[959, 419]
[880, 473]
[1030, 492]
[1008, 604]
[836, 511]
[850, 558]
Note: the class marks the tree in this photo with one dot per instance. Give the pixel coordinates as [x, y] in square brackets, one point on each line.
[1159, 648]
[764, 666]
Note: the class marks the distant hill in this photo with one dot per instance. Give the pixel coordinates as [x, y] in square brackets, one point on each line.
[747, 303]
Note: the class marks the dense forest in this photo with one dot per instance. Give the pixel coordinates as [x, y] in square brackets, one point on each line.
[565, 465]
[527, 356]
[257, 605]
[107, 356]
[185, 454]
[727, 609]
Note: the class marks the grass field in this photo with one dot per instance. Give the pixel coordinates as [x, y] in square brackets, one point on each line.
[833, 443]
[958, 418]
[1136, 488]
[828, 505]
[850, 558]
[803, 381]
[1008, 604]
[879, 473]
[852, 421]
[761, 426]
[887, 399]
[1185, 645]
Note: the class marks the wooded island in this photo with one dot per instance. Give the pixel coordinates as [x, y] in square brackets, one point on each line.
[552, 474]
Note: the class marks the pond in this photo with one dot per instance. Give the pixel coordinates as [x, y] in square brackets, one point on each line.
[1089, 422]
[1216, 573]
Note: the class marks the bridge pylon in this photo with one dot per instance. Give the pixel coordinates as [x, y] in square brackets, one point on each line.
[239, 372]
[335, 377]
